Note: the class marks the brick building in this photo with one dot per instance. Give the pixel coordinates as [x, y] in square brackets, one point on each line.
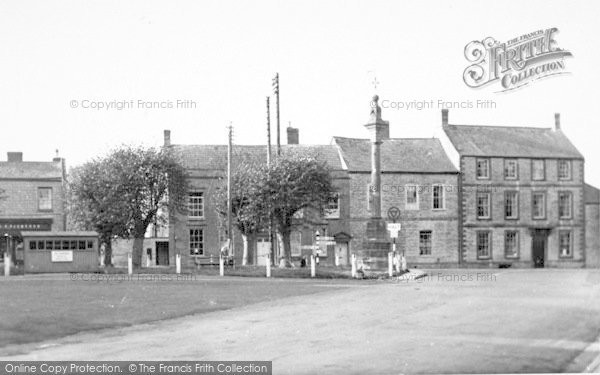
[33, 199]
[522, 196]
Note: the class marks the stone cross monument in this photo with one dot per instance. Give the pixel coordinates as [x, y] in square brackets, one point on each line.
[376, 244]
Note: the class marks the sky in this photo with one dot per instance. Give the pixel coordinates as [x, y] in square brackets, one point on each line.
[62, 59]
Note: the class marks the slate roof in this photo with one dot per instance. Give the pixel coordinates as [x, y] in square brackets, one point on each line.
[30, 170]
[591, 194]
[509, 141]
[214, 157]
[420, 155]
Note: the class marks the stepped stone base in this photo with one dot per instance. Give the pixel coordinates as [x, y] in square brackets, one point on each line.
[376, 246]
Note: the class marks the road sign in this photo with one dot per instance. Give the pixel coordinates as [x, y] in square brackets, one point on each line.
[393, 213]
[394, 228]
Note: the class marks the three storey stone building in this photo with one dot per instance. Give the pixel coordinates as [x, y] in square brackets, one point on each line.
[522, 196]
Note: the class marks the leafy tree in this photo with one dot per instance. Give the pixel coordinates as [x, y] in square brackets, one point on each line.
[123, 193]
[295, 181]
[248, 211]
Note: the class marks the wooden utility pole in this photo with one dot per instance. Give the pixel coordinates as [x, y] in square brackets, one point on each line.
[268, 131]
[272, 248]
[229, 234]
[276, 92]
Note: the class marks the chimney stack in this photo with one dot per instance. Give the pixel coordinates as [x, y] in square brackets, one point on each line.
[444, 117]
[14, 156]
[167, 138]
[557, 121]
[293, 136]
[57, 158]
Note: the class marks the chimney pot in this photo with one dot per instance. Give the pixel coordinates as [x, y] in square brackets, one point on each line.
[557, 121]
[167, 138]
[293, 136]
[14, 156]
[444, 117]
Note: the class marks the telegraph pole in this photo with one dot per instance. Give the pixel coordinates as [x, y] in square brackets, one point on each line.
[268, 132]
[229, 234]
[272, 248]
[276, 92]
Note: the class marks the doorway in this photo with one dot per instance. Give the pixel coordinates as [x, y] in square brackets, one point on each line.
[341, 251]
[538, 247]
[162, 253]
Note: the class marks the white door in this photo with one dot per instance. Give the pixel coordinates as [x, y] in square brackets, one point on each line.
[341, 251]
[263, 247]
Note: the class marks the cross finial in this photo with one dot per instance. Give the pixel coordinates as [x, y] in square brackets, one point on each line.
[375, 82]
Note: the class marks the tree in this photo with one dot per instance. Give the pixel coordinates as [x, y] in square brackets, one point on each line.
[124, 192]
[293, 182]
[248, 211]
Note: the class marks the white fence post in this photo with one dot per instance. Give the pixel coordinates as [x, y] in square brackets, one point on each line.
[129, 264]
[268, 264]
[390, 264]
[177, 263]
[6, 264]
[221, 266]
[353, 261]
[313, 272]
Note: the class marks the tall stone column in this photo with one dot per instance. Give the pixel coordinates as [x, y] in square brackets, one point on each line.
[376, 243]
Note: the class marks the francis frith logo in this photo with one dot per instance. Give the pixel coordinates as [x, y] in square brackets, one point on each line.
[514, 63]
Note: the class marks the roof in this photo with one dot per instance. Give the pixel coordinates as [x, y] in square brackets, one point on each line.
[59, 234]
[591, 194]
[30, 170]
[474, 140]
[418, 155]
[214, 157]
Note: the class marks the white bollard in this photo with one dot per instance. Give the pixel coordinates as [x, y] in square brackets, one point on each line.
[313, 271]
[397, 262]
[337, 260]
[129, 264]
[147, 261]
[404, 267]
[390, 264]
[268, 264]
[221, 266]
[353, 261]
[177, 263]
[6, 264]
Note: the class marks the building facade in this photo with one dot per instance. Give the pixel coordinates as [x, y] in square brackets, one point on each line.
[522, 196]
[32, 200]
[417, 178]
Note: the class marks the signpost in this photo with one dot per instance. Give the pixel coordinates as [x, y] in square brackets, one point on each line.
[393, 227]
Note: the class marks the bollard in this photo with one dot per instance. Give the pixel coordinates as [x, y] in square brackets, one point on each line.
[268, 265]
[397, 262]
[313, 271]
[177, 263]
[221, 266]
[353, 261]
[404, 268]
[147, 261]
[129, 264]
[390, 261]
[6, 264]
[337, 260]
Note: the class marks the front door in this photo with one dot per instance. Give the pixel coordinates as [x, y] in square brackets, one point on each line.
[538, 248]
[162, 253]
[341, 251]
[263, 248]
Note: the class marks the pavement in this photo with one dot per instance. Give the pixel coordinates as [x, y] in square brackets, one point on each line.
[449, 321]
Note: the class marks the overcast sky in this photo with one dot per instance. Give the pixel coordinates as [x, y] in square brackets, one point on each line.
[222, 55]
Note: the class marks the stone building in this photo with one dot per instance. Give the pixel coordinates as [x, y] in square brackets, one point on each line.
[522, 196]
[592, 226]
[32, 199]
[416, 176]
